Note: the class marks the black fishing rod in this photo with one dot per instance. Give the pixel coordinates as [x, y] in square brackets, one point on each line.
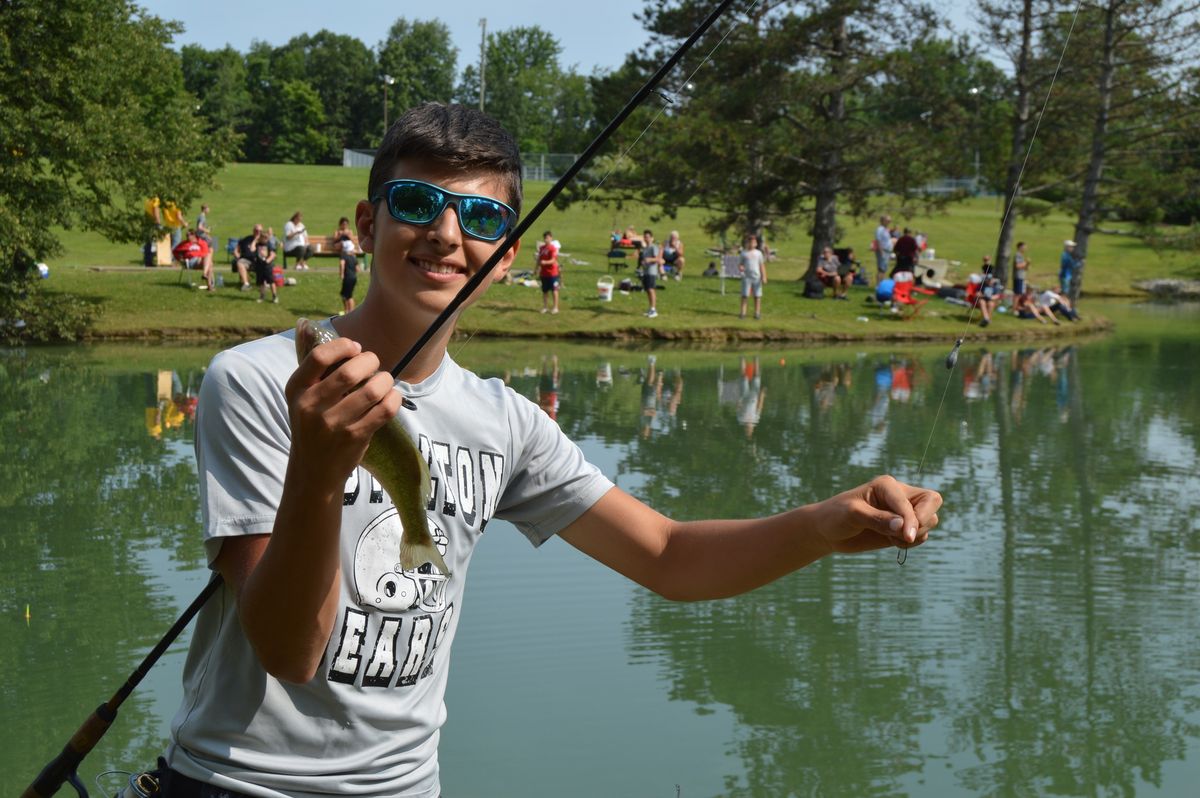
[64, 766]
[515, 234]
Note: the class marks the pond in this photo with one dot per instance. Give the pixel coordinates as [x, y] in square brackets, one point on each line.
[1045, 641]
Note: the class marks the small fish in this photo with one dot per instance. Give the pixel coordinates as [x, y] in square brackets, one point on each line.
[394, 460]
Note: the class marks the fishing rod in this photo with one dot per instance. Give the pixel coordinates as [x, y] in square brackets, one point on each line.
[515, 234]
[64, 766]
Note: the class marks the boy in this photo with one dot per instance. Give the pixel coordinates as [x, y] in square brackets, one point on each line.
[263, 276]
[548, 271]
[753, 269]
[650, 259]
[320, 668]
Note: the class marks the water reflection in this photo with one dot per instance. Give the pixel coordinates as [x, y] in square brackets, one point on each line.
[1046, 643]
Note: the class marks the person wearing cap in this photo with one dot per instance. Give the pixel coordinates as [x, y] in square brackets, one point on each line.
[1066, 266]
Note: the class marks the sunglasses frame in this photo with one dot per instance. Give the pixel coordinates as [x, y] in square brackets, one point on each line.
[448, 198]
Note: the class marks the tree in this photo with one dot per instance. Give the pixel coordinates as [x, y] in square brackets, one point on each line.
[525, 101]
[1142, 42]
[343, 72]
[297, 123]
[95, 121]
[421, 59]
[218, 78]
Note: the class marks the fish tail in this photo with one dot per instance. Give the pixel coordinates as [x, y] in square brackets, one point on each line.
[414, 554]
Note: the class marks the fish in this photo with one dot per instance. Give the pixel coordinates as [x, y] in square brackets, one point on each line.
[394, 460]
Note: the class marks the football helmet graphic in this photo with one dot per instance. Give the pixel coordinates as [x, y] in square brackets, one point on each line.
[379, 580]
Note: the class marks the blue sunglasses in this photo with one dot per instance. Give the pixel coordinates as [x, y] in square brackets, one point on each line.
[420, 203]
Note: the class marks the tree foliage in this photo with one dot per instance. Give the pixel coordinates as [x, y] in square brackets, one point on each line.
[95, 120]
[421, 59]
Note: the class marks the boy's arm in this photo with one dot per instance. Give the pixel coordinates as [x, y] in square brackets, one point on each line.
[718, 558]
[287, 583]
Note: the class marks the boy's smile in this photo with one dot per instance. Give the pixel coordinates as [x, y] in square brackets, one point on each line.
[418, 268]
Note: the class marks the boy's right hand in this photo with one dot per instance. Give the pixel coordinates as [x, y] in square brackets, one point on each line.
[337, 399]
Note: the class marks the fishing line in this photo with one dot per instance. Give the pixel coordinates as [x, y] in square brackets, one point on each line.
[952, 357]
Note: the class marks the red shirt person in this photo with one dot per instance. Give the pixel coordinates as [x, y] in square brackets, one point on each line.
[194, 253]
[906, 249]
[548, 271]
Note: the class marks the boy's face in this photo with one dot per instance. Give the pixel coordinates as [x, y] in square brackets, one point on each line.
[418, 269]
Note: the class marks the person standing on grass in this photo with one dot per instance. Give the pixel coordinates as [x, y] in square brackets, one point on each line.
[348, 271]
[548, 271]
[753, 268]
[263, 275]
[1020, 269]
[650, 258]
[882, 244]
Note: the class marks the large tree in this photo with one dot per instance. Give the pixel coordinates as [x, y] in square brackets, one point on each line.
[95, 120]
[343, 72]
[541, 104]
[804, 105]
[420, 59]
[1139, 46]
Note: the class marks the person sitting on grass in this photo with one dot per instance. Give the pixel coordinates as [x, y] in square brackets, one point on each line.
[990, 292]
[829, 271]
[1054, 302]
[1026, 307]
[263, 272]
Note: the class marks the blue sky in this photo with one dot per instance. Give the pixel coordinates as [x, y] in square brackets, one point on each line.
[592, 34]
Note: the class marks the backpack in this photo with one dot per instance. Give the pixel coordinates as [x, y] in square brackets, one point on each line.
[813, 287]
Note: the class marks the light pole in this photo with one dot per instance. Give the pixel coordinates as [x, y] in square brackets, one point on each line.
[482, 60]
[388, 80]
[975, 91]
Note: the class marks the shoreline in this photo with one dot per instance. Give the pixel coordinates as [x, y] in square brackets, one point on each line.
[707, 335]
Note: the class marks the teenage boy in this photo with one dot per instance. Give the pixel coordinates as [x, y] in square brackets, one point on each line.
[320, 667]
[651, 260]
[548, 271]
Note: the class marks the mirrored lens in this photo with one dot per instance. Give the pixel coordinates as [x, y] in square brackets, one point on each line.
[411, 202]
[483, 218]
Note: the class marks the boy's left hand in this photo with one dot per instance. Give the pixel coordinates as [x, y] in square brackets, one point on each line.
[884, 512]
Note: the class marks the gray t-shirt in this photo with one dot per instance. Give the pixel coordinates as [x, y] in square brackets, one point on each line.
[650, 254]
[751, 262]
[368, 723]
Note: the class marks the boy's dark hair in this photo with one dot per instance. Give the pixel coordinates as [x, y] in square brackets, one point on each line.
[454, 136]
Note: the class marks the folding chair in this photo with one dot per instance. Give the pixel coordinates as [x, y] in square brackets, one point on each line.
[902, 296]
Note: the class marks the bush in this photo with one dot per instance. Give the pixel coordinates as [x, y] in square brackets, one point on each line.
[29, 314]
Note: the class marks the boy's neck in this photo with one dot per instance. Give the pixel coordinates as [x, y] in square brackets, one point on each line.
[390, 340]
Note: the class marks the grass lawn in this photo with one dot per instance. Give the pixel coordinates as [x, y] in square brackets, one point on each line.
[153, 302]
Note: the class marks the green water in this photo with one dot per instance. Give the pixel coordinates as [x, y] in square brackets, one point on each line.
[1045, 642]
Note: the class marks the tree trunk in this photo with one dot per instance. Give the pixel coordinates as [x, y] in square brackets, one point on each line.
[1089, 205]
[824, 227]
[1016, 158]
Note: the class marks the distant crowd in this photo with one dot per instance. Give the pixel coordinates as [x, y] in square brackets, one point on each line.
[254, 258]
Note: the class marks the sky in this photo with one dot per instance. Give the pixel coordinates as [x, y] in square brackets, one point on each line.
[593, 35]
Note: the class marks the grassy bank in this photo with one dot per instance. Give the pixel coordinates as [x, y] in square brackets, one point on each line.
[155, 303]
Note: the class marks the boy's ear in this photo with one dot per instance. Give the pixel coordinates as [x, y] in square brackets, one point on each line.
[506, 262]
[364, 222]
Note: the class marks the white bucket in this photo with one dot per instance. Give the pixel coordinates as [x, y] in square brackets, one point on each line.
[604, 287]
